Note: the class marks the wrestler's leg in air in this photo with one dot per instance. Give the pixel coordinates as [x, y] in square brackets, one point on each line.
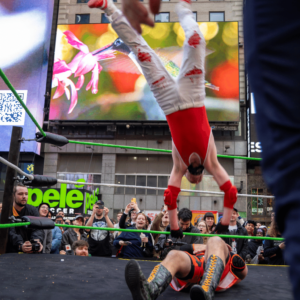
[213, 166]
[160, 81]
[177, 263]
[216, 255]
[191, 89]
[191, 78]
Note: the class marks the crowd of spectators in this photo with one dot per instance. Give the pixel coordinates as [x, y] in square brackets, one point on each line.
[84, 242]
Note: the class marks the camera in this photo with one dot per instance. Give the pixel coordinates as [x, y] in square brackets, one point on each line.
[35, 246]
[161, 245]
[165, 249]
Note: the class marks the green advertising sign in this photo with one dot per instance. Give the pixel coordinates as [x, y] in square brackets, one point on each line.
[71, 201]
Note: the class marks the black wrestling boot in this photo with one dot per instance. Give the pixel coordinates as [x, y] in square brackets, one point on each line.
[213, 271]
[143, 289]
[237, 264]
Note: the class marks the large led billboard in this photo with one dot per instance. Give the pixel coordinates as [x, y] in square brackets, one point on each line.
[25, 40]
[88, 86]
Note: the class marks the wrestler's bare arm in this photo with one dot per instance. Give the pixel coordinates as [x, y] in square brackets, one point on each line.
[178, 169]
[137, 14]
[213, 166]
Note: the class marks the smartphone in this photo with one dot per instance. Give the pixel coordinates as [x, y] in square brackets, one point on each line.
[133, 200]
[127, 243]
[58, 222]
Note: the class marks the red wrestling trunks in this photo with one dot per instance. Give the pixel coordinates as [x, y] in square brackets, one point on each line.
[228, 279]
[190, 132]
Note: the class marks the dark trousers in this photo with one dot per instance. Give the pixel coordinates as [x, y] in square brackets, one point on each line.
[272, 49]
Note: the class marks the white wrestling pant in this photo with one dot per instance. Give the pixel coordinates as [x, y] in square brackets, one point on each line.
[188, 89]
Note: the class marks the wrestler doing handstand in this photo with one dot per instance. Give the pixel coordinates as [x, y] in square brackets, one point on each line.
[207, 268]
[182, 101]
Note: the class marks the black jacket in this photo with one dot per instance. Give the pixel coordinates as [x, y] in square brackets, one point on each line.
[123, 224]
[253, 246]
[69, 237]
[19, 235]
[241, 244]
[271, 248]
[189, 239]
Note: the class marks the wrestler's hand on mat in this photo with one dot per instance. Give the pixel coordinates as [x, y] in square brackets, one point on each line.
[176, 233]
[198, 248]
[27, 247]
[137, 14]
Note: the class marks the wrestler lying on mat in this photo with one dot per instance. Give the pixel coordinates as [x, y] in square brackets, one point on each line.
[182, 101]
[204, 268]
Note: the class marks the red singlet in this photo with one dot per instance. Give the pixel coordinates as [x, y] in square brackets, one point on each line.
[190, 132]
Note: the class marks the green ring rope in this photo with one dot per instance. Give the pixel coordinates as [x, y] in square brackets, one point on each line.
[100, 144]
[153, 149]
[14, 225]
[151, 231]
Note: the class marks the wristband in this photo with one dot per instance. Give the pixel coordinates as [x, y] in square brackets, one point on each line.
[170, 197]
[230, 196]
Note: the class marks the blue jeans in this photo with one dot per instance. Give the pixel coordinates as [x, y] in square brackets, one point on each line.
[272, 52]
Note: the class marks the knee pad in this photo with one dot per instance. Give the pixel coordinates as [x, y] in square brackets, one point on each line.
[238, 263]
[170, 197]
[230, 196]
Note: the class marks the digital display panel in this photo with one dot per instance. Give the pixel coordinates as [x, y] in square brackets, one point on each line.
[112, 87]
[25, 42]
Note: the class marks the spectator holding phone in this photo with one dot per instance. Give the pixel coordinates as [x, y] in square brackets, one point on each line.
[72, 235]
[56, 236]
[131, 211]
[44, 209]
[134, 244]
[99, 239]
[160, 222]
[273, 250]
[116, 233]
[59, 220]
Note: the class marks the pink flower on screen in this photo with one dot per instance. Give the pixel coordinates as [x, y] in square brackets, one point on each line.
[85, 61]
[61, 74]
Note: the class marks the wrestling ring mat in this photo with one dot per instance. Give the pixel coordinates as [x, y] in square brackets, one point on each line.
[55, 277]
